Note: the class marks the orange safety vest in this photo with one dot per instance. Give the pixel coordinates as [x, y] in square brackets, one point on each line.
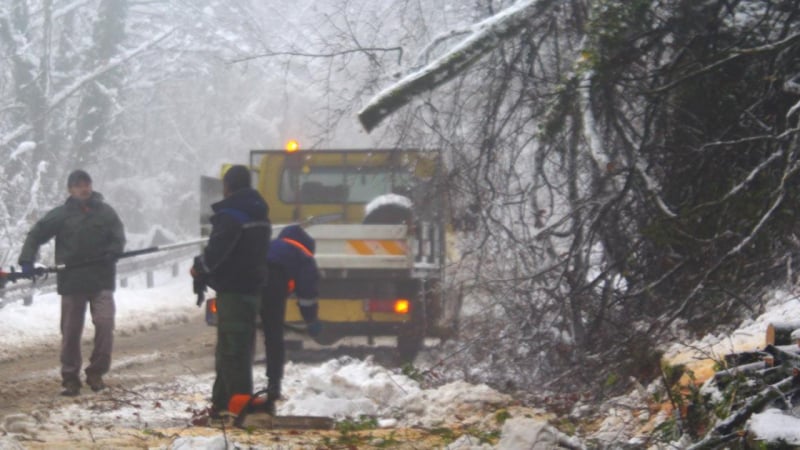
[303, 249]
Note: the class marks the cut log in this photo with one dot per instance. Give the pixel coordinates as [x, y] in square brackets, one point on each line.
[780, 333]
[723, 377]
[737, 359]
[784, 354]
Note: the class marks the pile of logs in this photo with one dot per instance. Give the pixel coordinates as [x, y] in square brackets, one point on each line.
[767, 377]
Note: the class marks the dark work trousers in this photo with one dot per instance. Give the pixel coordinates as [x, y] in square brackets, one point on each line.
[273, 313]
[73, 313]
[236, 315]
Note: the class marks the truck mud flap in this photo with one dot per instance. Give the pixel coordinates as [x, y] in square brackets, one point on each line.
[268, 422]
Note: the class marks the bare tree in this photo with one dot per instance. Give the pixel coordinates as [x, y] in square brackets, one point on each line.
[630, 167]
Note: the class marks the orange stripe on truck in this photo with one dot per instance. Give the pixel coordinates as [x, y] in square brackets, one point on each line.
[394, 247]
[376, 247]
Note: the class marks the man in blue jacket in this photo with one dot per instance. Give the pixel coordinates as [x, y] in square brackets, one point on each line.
[292, 269]
[234, 264]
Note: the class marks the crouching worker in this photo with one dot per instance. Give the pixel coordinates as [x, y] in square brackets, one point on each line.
[234, 264]
[292, 269]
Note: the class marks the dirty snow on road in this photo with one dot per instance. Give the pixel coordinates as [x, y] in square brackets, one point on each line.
[344, 388]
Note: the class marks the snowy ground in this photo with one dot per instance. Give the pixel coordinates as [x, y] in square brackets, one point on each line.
[157, 414]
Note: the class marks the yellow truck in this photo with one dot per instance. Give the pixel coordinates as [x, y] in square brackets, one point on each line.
[377, 216]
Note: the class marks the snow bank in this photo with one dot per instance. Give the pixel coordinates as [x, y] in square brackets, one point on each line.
[532, 434]
[774, 425]
[202, 442]
[9, 443]
[347, 387]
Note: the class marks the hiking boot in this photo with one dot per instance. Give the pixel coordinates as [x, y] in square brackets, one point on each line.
[273, 391]
[204, 417]
[95, 382]
[269, 407]
[71, 388]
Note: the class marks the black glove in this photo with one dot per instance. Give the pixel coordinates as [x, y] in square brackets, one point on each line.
[29, 271]
[111, 256]
[199, 285]
[309, 312]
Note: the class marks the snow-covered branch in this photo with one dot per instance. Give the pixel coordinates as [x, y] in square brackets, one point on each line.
[734, 54]
[113, 63]
[485, 36]
[366, 50]
[16, 134]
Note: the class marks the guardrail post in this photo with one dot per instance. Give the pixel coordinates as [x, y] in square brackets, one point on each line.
[150, 279]
[28, 300]
[174, 270]
[123, 282]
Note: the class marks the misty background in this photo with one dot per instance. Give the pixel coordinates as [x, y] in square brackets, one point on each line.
[149, 95]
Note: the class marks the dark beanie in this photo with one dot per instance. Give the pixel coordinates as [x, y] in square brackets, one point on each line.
[78, 176]
[237, 177]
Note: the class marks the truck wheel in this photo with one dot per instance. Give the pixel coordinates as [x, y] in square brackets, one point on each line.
[412, 337]
[409, 343]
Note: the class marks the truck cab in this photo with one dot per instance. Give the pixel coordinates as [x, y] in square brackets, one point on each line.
[377, 216]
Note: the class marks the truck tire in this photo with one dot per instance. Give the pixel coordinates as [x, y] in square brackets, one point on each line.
[411, 338]
[409, 343]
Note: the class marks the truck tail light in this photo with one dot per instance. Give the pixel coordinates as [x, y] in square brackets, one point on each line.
[212, 305]
[397, 306]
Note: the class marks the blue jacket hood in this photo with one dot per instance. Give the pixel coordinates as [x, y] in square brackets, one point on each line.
[247, 201]
[297, 233]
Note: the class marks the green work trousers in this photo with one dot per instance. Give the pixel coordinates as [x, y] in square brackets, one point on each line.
[236, 315]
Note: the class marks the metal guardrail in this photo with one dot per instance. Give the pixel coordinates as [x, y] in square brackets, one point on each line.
[147, 264]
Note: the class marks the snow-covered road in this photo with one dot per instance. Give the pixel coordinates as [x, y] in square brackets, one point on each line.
[163, 371]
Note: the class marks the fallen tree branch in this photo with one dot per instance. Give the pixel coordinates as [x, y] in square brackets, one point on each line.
[486, 36]
[722, 431]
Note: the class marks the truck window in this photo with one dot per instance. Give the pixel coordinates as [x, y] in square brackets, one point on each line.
[323, 184]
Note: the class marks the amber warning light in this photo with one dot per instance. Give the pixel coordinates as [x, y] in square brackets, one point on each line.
[401, 306]
[397, 306]
[292, 146]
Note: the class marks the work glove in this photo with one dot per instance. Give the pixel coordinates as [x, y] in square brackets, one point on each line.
[27, 269]
[111, 256]
[314, 328]
[308, 311]
[199, 285]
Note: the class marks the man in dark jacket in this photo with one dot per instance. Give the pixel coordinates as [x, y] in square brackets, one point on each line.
[234, 264]
[292, 269]
[89, 238]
